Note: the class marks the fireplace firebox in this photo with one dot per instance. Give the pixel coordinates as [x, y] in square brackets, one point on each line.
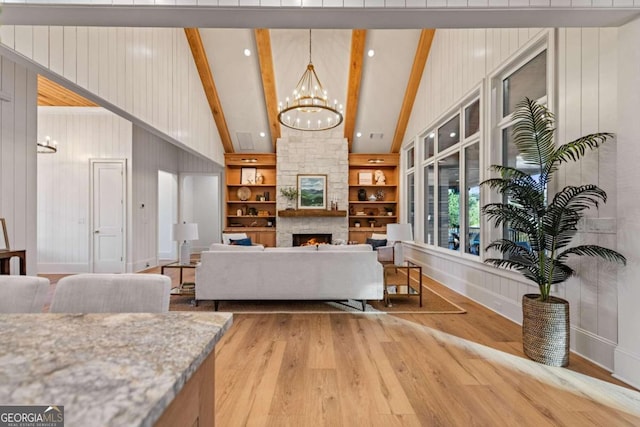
[311, 239]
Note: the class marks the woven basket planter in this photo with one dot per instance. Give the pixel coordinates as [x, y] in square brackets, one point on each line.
[545, 330]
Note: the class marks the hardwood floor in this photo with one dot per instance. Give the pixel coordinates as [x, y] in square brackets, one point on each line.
[404, 370]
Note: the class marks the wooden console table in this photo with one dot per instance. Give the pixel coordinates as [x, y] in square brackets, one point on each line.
[5, 261]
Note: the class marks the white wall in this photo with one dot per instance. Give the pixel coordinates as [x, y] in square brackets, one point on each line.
[167, 214]
[201, 204]
[586, 102]
[63, 181]
[18, 119]
[627, 356]
[150, 154]
[114, 64]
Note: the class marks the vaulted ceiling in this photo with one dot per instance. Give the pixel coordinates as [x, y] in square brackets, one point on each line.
[243, 90]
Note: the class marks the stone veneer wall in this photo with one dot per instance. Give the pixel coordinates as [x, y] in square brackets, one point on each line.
[321, 153]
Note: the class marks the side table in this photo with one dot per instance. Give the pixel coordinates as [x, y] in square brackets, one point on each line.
[412, 288]
[181, 267]
[5, 259]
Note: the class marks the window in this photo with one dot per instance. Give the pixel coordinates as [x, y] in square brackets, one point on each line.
[410, 186]
[472, 198]
[449, 202]
[451, 180]
[429, 199]
[526, 77]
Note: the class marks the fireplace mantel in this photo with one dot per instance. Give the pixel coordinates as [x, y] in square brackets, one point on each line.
[295, 213]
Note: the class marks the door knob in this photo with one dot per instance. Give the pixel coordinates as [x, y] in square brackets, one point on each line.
[96, 232]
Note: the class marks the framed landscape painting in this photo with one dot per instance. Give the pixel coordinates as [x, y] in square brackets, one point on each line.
[312, 191]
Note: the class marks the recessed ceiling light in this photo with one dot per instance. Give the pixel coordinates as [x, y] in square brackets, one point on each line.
[371, 53]
[247, 52]
[452, 134]
[359, 134]
[262, 134]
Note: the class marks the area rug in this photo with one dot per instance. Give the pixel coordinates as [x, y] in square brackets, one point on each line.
[432, 303]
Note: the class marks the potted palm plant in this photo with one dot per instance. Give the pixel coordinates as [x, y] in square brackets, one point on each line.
[545, 226]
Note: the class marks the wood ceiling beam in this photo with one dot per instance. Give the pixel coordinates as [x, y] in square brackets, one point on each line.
[358, 39]
[209, 85]
[51, 94]
[419, 61]
[263, 45]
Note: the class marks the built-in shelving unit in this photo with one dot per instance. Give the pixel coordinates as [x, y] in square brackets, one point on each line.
[256, 215]
[374, 213]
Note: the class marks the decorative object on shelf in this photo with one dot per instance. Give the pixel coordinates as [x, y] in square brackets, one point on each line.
[266, 196]
[388, 210]
[47, 146]
[542, 228]
[365, 178]
[362, 195]
[4, 237]
[379, 177]
[239, 212]
[334, 203]
[379, 195]
[291, 194]
[244, 193]
[259, 178]
[185, 233]
[252, 211]
[356, 224]
[309, 109]
[262, 199]
[373, 198]
[312, 192]
[372, 223]
[399, 233]
[248, 175]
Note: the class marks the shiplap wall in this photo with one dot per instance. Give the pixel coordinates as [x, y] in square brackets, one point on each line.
[586, 102]
[83, 133]
[148, 72]
[627, 357]
[150, 154]
[18, 119]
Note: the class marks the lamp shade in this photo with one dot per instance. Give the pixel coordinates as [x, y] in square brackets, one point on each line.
[399, 232]
[185, 231]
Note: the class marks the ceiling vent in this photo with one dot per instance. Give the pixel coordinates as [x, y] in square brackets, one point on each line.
[376, 135]
[245, 141]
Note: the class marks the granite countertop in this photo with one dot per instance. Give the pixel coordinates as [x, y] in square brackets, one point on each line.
[105, 369]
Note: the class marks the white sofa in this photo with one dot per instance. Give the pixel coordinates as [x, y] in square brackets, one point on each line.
[326, 272]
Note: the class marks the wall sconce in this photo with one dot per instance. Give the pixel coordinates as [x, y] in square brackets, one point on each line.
[48, 146]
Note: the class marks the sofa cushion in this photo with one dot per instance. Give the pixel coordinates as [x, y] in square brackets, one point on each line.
[226, 237]
[363, 247]
[219, 247]
[240, 242]
[378, 236]
[375, 243]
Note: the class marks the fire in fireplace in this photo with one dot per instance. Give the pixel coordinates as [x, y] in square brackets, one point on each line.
[311, 239]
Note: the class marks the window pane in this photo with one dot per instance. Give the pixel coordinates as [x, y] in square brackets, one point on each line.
[530, 81]
[449, 202]
[472, 198]
[472, 119]
[411, 200]
[429, 145]
[429, 213]
[410, 160]
[449, 134]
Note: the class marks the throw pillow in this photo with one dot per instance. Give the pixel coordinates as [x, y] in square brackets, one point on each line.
[376, 243]
[240, 242]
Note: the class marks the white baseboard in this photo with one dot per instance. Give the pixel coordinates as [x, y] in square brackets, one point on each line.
[592, 347]
[627, 367]
[58, 268]
[143, 264]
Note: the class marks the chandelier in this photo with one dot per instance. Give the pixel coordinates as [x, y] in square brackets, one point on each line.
[309, 109]
[47, 146]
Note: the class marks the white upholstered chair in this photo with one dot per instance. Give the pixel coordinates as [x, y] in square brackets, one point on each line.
[22, 294]
[112, 293]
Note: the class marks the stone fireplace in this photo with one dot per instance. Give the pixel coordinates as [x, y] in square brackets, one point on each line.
[316, 153]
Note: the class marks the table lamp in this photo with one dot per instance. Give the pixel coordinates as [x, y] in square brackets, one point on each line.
[398, 233]
[184, 233]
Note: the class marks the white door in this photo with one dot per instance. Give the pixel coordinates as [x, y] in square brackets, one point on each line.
[108, 214]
